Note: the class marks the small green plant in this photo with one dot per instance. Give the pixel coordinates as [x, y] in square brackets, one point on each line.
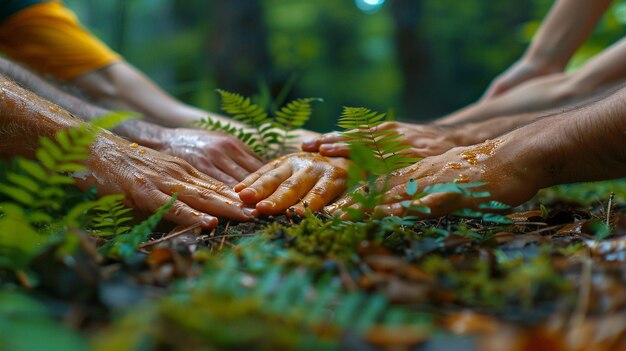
[269, 136]
[125, 245]
[38, 201]
[386, 147]
[375, 152]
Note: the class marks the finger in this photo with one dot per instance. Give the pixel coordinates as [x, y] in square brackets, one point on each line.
[204, 181]
[217, 205]
[208, 200]
[217, 174]
[179, 213]
[288, 193]
[322, 193]
[335, 150]
[235, 171]
[248, 151]
[243, 155]
[345, 201]
[395, 194]
[312, 145]
[249, 162]
[265, 185]
[256, 175]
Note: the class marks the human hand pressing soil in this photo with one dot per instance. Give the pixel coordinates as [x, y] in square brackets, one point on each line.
[498, 163]
[297, 180]
[425, 140]
[219, 155]
[149, 179]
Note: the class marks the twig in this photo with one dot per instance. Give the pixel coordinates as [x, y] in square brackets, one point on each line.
[224, 235]
[172, 235]
[547, 229]
[608, 209]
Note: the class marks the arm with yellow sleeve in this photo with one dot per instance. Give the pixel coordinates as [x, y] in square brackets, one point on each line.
[47, 37]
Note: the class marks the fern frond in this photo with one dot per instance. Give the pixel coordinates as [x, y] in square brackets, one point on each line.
[386, 145]
[125, 245]
[360, 118]
[243, 110]
[35, 193]
[109, 216]
[293, 294]
[292, 116]
[219, 126]
[295, 114]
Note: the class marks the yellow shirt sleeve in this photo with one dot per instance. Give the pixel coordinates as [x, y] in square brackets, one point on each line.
[48, 38]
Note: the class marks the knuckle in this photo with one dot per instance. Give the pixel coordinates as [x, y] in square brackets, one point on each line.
[318, 192]
[177, 208]
[288, 185]
[391, 125]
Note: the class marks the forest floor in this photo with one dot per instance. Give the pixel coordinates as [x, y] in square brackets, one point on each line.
[553, 279]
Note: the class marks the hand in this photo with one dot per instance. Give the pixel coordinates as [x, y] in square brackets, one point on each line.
[219, 155]
[501, 164]
[299, 180]
[517, 74]
[425, 140]
[149, 179]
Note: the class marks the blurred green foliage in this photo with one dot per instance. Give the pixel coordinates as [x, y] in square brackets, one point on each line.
[331, 49]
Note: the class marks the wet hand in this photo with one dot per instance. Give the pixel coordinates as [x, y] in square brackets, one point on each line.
[300, 180]
[425, 140]
[149, 179]
[219, 155]
[491, 162]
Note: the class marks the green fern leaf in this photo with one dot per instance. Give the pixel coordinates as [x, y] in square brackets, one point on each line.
[384, 145]
[125, 245]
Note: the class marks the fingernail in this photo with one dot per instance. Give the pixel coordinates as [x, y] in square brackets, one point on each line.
[209, 221]
[248, 192]
[267, 204]
[251, 212]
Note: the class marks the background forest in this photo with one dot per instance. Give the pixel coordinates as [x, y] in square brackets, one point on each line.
[423, 58]
[80, 273]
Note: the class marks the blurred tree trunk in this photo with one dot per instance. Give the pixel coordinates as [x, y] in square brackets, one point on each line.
[415, 60]
[237, 47]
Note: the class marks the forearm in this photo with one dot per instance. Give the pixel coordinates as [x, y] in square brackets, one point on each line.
[549, 93]
[120, 85]
[25, 117]
[32, 82]
[144, 133]
[533, 96]
[566, 27]
[586, 144]
[465, 134]
[602, 71]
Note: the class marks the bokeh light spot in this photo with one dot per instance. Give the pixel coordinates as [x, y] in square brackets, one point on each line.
[369, 6]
